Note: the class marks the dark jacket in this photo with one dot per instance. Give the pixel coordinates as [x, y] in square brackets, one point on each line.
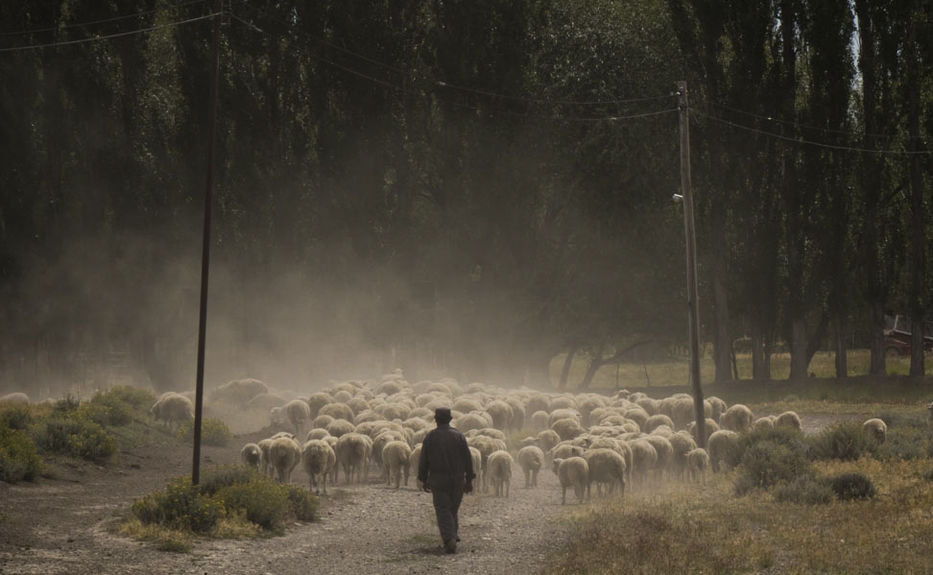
[445, 461]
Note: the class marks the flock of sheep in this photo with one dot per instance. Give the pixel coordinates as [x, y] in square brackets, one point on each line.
[626, 439]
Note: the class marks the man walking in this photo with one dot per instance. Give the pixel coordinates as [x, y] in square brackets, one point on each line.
[446, 471]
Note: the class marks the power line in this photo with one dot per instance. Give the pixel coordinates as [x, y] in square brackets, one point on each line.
[109, 36]
[95, 22]
[483, 92]
[795, 124]
[811, 142]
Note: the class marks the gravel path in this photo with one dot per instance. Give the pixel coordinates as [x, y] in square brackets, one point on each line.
[62, 526]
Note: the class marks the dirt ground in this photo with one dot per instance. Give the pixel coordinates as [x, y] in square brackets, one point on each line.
[64, 525]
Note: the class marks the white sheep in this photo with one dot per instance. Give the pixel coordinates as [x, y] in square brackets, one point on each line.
[657, 420]
[251, 455]
[172, 408]
[539, 420]
[353, 451]
[644, 459]
[737, 418]
[876, 430]
[284, 455]
[665, 451]
[572, 472]
[318, 459]
[697, 464]
[789, 420]
[265, 462]
[15, 397]
[723, 449]
[396, 457]
[340, 427]
[296, 412]
[682, 443]
[567, 428]
[606, 467]
[531, 458]
[477, 458]
[499, 470]
[413, 460]
[317, 433]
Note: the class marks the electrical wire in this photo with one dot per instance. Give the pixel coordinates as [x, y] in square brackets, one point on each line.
[109, 36]
[95, 22]
[795, 124]
[810, 142]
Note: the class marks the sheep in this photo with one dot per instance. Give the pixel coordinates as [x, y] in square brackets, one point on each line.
[547, 439]
[340, 427]
[789, 420]
[265, 464]
[930, 414]
[477, 458]
[396, 457]
[337, 411]
[499, 469]
[413, 460]
[644, 459]
[737, 418]
[265, 401]
[717, 407]
[655, 421]
[239, 391]
[352, 452]
[531, 458]
[567, 428]
[766, 422]
[665, 451]
[876, 430]
[501, 413]
[296, 412]
[317, 433]
[318, 400]
[15, 397]
[572, 472]
[284, 455]
[723, 449]
[681, 443]
[710, 427]
[471, 421]
[697, 464]
[172, 408]
[605, 467]
[539, 420]
[251, 455]
[318, 459]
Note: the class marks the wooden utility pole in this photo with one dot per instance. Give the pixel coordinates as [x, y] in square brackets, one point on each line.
[206, 243]
[690, 238]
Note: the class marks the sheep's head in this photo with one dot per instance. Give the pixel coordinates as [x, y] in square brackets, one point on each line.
[556, 463]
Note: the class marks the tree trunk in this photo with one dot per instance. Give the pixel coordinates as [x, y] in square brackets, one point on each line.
[722, 343]
[565, 370]
[842, 360]
[596, 362]
[917, 289]
[877, 362]
[799, 360]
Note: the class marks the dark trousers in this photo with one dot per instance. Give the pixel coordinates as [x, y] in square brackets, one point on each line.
[446, 506]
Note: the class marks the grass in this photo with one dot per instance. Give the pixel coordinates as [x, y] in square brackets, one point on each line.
[674, 371]
[706, 529]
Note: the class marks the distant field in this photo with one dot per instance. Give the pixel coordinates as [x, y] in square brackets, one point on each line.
[674, 371]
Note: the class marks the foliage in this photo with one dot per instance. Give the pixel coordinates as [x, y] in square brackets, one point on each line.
[74, 435]
[805, 490]
[771, 457]
[845, 441]
[225, 475]
[213, 432]
[264, 501]
[19, 459]
[853, 485]
[16, 416]
[181, 506]
[138, 398]
[303, 503]
[908, 437]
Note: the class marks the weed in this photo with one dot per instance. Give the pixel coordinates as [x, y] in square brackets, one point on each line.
[213, 432]
[845, 441]
[74, 435]
[19, 459]
[805, 490]
[181, 506]
[265, 502]
[848, 486]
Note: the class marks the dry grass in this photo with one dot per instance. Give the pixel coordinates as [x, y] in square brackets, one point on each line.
[707, 529]
[675, 370]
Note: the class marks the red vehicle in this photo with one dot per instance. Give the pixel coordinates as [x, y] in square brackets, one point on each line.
[898, 333]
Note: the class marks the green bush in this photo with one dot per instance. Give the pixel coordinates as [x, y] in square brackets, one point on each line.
[213, 432]
[848, 486]
[265, 502]
[908, 437]
[19, 459]
[769, 463]
[181, 506]
[66, 405]
[75, 436]
[845, 441]
[139, 399]
[805, 490]
[108, 410]
[303, 503]
[16, 417]
[226, 475]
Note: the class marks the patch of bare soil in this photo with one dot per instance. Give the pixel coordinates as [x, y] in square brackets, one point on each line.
[64, 525]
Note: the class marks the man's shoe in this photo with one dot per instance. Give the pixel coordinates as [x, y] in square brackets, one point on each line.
[450, 546]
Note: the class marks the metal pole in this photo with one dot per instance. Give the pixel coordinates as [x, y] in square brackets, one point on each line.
[206, 243]
[690, 237]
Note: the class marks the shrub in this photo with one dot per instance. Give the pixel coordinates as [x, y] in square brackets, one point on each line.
[845, 441]
[806, 490]
[19, 459]
[108, 409]
[848, 486]
[139, 399]
[224, 476]
[907, 438]
[76, 436]
[265, 502]
[303, 503]
[180, 506]
[770, 457]
[213, 432]
[66, 405]
[16, 417]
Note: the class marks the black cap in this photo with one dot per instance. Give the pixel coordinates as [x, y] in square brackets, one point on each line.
[442, 415]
